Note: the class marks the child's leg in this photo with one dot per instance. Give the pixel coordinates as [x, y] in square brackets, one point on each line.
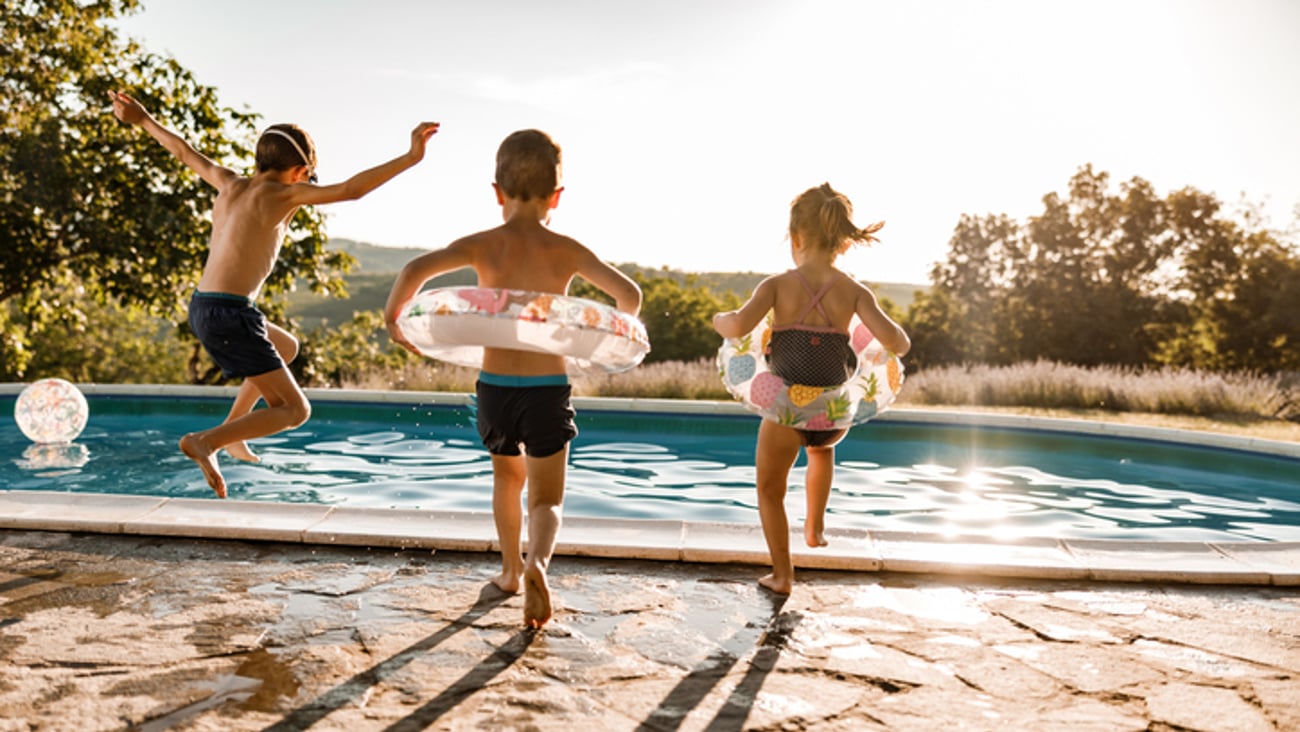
[778, 446]
[286, 407]
[817, 486]
[545, 514]
[285, 345]
[508, 474]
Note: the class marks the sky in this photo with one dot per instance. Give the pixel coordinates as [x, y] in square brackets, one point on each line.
[688, 126]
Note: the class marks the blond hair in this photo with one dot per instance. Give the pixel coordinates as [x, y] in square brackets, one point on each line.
[823, 218]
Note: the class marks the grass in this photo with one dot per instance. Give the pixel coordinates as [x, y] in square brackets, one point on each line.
[1265, 406]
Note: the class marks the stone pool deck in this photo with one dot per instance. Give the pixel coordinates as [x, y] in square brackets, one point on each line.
[152, 613]
[109, 631]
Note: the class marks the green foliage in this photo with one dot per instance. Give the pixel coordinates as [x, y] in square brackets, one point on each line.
[339, 355]
[678, 315]
[1104, 277]
[86, 200]
[109, 343]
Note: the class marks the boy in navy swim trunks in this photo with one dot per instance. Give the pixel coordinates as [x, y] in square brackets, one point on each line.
[249, 220]
[523, 396]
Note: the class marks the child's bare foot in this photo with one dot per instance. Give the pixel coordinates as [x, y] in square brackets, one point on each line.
[239, 451]
[780, 587]
[206, 457]
[814, 534]
[507, 582]
[537, 597]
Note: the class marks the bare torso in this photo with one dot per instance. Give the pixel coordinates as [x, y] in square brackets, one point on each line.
[524, 256]
[249, 219]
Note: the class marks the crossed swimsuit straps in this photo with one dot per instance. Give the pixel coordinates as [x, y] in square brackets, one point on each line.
[811, 355]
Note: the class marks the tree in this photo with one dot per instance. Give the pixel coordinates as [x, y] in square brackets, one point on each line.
[88, 205]
[1104, 277]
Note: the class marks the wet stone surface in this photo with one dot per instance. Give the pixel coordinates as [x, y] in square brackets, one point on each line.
[117, 632]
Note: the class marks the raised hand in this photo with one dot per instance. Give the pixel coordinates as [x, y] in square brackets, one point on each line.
[420, 137]
[127, 109]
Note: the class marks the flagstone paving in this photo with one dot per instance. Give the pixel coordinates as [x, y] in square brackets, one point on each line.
[110, 632]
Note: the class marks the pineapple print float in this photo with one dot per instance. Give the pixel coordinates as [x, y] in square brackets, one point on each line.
[871, 390]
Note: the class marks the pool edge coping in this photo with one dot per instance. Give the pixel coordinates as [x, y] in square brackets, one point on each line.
[858, 550]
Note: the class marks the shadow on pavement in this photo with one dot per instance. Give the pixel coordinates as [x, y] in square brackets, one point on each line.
[353, 689]
[771, 637]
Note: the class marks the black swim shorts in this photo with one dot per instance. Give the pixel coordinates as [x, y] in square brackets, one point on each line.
[233, 331]
[533, 411]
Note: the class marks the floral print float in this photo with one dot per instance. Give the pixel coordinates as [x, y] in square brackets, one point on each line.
[455, 324]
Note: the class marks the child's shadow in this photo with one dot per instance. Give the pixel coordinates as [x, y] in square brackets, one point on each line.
[770, 637]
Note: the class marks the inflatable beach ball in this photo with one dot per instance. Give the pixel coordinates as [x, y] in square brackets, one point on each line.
[51, 410]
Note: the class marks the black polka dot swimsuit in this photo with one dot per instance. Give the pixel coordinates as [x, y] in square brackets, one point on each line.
[808, 354]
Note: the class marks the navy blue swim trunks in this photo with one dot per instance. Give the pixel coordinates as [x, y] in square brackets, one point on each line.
[530, 410]
[233, 331]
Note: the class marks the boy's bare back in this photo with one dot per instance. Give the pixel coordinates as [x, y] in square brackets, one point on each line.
[523, 254]
[251, 215]
[249, 219]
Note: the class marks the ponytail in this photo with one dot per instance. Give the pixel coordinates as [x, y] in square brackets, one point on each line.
[824, 218]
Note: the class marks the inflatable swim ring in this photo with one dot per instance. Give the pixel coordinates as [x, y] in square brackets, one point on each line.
[742, 363]
[455, 324]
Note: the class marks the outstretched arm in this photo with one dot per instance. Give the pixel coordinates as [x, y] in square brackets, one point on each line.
[736, 323]
[131, 112]
[367, 180]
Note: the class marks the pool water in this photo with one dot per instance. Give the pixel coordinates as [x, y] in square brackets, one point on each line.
[902, 476]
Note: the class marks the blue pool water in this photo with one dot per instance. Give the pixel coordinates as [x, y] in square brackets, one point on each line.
[889, 475]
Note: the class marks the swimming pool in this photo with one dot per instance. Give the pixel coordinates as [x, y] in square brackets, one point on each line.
[910, 475]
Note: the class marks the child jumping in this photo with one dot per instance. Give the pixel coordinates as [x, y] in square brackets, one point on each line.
[250, 218]
[523, 396]
[812, 306]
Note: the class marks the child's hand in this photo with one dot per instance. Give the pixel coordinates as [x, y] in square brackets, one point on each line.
[397, 336]
[420, 137]
[127, 109]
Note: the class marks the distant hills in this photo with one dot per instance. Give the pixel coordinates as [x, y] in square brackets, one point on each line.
[377, 266]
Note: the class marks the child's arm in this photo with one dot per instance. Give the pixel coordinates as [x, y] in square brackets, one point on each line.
[131, 112]
[736, 323]
[612, 282]
[883, 327]
[413, 276]
[367, 180]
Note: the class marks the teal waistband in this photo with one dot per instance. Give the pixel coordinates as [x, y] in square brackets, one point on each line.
[222, 296]
[520, 381]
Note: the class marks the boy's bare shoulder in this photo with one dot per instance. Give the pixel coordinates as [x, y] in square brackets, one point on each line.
[567, 244]
[478, 239]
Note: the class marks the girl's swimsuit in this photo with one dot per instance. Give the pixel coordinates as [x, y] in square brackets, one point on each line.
[812, 355]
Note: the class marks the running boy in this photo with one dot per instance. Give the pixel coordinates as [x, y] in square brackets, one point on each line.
[249, 220]
[523, 397]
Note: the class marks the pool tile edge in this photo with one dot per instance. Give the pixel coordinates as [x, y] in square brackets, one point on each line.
[1245, 563]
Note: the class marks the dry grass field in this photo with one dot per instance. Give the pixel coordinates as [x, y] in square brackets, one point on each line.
[1256, 405]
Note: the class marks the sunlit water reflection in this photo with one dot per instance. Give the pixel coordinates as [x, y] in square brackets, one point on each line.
[928, 478]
